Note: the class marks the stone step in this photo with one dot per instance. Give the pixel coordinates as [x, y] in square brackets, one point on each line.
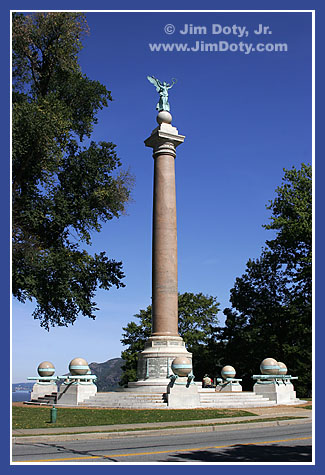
[295, 401]
[124, 406]
[128, 395]
[235, 401]
[229, 398]
[148, 400]
[238, 405]
[131, 394]
[231, 395]
[125, 403]
[250, 401]
[133, 404]
[239, 395]
[47, 399]
[40, 401]
[125, 399]
[208, 399]
[204, 398]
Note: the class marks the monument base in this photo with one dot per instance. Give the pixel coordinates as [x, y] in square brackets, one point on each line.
[182, 395]
[278, 391]
[72, 393]
[154, 364]
[149, 386]
[41, 389]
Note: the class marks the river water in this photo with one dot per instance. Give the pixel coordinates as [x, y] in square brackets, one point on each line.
[18, 396]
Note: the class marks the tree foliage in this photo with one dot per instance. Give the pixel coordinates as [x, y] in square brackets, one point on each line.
[198, 326]
[272, 301]
[292, 220]
[61, 189]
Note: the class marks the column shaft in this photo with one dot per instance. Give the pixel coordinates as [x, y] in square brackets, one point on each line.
[164, 249]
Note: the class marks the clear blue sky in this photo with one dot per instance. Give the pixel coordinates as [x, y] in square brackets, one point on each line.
[245, 118]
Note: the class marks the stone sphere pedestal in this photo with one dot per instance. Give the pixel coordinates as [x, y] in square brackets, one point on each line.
[78, 386]
[182, 395]
[46, 381]
[279, 391]
[225, 386]
[228, 382]
[73, 392]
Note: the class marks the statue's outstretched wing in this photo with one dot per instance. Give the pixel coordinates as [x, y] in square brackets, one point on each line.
[154, 81]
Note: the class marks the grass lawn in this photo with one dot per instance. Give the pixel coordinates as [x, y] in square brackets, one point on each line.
[40, 417]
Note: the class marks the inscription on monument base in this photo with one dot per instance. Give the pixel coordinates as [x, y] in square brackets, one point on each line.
[156, 366]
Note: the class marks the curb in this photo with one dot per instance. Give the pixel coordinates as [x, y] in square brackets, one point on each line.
[143, 433]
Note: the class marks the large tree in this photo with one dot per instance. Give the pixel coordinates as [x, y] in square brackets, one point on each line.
[272, 301]
[197, 325]
[292, 220]
[62, 190]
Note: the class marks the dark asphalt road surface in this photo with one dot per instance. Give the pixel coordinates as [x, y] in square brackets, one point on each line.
[291, 443]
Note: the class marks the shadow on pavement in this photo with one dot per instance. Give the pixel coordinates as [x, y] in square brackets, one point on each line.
[61, 449]
[248, 453]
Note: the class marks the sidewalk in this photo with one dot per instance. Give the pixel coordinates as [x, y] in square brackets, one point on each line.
[161, 428]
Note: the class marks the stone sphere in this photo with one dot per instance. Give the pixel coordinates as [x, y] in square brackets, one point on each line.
[282, 368]
[46, 368]
[181, 366]
[164, 117]
[78, 367]
[269, 366]
[228, 372]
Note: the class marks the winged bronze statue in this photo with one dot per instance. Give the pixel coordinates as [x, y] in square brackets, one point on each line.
[162, 89]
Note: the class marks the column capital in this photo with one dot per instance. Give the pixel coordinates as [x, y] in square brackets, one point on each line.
[164, 139]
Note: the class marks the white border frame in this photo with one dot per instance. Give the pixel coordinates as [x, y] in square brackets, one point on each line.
[313, 12]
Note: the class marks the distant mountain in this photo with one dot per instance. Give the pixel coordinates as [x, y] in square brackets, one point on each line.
[108, 374]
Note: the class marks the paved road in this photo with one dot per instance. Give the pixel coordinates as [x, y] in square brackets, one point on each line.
[291, 443]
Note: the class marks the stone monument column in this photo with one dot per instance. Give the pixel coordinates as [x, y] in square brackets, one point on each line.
[165, 344]
[164, 237]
